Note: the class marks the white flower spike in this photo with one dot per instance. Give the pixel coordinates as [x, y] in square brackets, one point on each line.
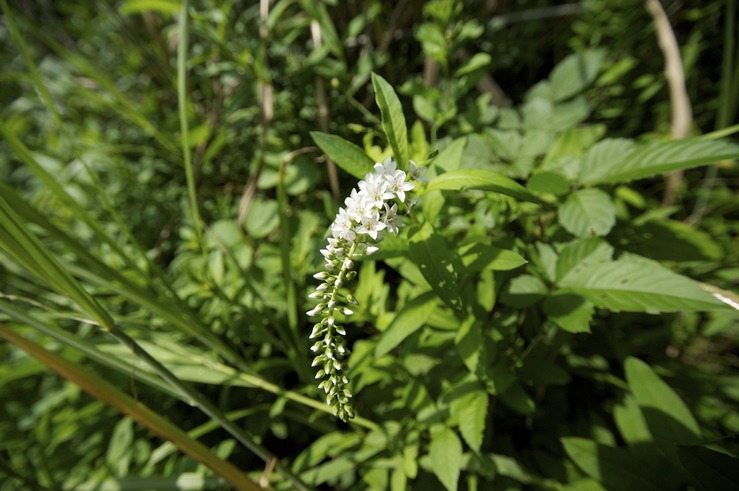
[371, 212]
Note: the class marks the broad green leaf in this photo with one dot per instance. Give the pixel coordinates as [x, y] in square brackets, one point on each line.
[393, 120]
[411, 317]
[667, 416]
[602, 155]
[483, 180]
[588, 212]
[347, 155]
[582, 253]
[471, 411]
[548, 182]
[636, 284]
[450, 158]
[438, 264]
[614, 467]
[709, 469]
[655, 158]
[481, 257]
[569, 311]
[445, 452]
[573, 74]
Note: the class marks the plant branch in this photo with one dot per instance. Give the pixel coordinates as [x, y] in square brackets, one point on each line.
[682, 114]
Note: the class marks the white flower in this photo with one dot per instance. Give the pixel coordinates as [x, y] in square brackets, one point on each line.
[358, 204]
[398, 184]
[343, 227]
[386, 168]
[375, 187]
[371, 225]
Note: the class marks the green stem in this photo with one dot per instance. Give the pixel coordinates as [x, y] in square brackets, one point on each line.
[184, 128]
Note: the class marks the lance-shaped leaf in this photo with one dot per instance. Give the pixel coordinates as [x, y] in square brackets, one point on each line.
[347, 155]
[483, 180]
[617, 162]
[635, 284]
[411, 317]
[393, 119]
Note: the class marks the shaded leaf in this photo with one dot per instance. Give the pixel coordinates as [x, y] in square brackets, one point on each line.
[615, 468]
[437, 263]
[481, 257]
[569, 311]
[710, 469]
[667, 416]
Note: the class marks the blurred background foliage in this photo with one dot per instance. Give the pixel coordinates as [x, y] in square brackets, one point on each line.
[104, 124]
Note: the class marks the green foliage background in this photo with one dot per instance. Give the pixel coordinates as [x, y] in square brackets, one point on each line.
[545, 320]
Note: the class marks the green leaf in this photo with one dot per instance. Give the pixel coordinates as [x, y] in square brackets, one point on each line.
[709, 469]
[667, 416]
[602, 155]
[471, 410]
[630, 421]
[582, 253]
[636, 284]
[437, 263]
[667, 240]
[411, 317]
[548, 182]
[393, 120]
[588, 212]
[517, 399]
[524, 291]
[445, 452]
[482, 257]
[569, 311]
[450, 157]
[477, 62]
[573, 74]
[615, 468]
[470, 343]
[612, 165]
[483, 180]
[347, 155]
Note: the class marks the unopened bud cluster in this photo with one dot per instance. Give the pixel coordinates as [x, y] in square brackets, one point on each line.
[370, 213]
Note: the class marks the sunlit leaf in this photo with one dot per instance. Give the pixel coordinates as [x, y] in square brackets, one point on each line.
[483, 180]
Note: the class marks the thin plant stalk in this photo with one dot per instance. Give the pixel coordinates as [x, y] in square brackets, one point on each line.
[184, 127]
[102, 390]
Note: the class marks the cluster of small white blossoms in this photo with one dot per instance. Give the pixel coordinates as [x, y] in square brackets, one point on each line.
[371, 212]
